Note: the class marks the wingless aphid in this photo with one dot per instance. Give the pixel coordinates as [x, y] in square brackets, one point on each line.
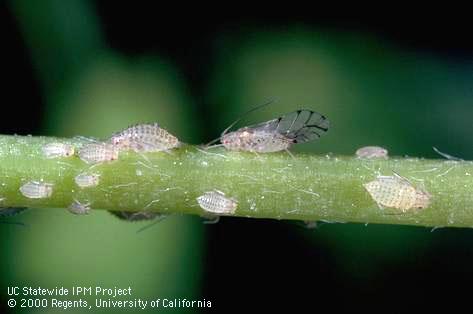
[278, 134]
[36, 189]
[372, 152]
[58, 150]
[78, 208]
[397, 192]
[95, 153]
[145, 138]
[216, 202]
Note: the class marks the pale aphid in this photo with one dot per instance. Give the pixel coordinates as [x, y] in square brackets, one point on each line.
[58, 150]
[397, 192]
[86, 180]
[372, 152]
[216, 202]
[94, 153]
[278, 134]
[79, 208]
[145, 138]
[36, 189]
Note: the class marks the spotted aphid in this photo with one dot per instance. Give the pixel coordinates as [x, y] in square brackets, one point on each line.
[371, 152]
[397, 192]
[36, 189]
[58, 150]
[144, 138]
[217, 203]
[94, 153]
[86, 180]
[278, 134]
[79, 208]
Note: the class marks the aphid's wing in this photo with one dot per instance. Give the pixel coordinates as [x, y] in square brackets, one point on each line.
[300, 126]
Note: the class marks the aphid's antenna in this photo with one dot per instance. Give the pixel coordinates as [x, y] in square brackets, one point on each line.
[238, 120]
[447, 156]
[158, 219]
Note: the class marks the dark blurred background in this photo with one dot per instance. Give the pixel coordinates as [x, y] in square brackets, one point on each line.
[91, 68]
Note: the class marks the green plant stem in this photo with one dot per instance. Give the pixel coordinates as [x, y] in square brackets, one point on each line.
[278, 186]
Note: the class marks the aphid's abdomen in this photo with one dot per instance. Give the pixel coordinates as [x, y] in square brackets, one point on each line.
[369, 152]
[145, 138]
[395, 192]
[36, 189]
[98, 152]
[58, 150]
[217, 203]
[256, 141]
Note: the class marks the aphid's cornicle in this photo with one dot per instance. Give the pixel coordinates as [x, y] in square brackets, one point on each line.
[86, 180]
[216, 202]
[94, 153]
[145, 138]
[397, 192]
[36, 189]
[372, 152]
[278, 134]
[58, 150]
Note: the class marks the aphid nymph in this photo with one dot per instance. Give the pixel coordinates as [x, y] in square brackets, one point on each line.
[372, 152]
[94, 153]
[397, 192]
[86, 180]
[217, 203]
[58, 150]
[145, 138]
[79, 208]
[36, 189]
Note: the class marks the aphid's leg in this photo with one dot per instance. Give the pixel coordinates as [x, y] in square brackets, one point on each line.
[156, 220]
[205, 152]
[144, 157]
[289, 152]
[168, 151]
[211, 220]
[257, 155]
[213, 146]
